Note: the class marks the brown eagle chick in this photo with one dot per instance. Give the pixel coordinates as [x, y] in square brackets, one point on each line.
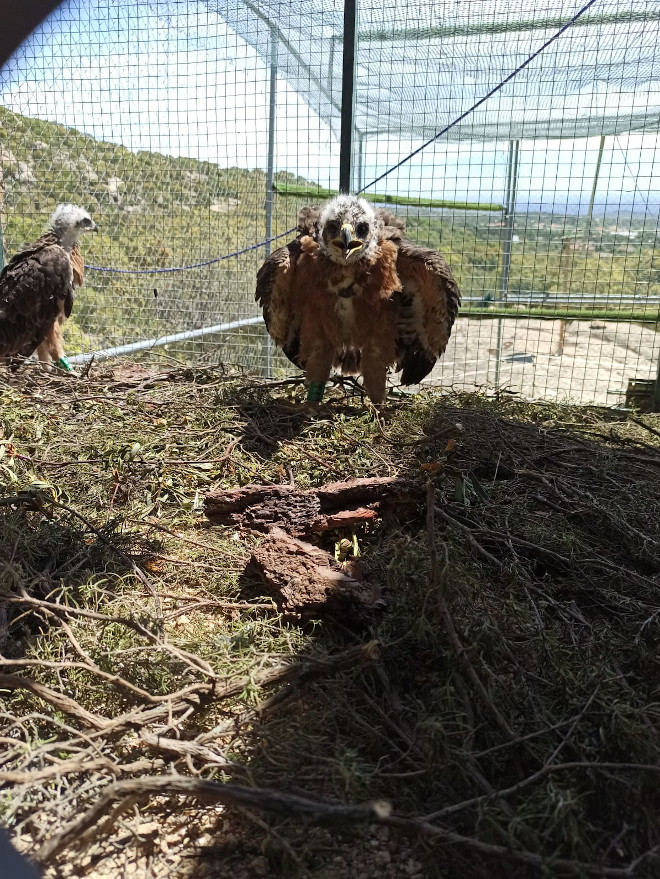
[36, 289]
[353, 293]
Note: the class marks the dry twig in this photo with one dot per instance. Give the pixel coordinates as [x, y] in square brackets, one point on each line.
[136, 790]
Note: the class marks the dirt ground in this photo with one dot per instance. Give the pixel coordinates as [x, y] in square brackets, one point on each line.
[597, 360]
[163, 716]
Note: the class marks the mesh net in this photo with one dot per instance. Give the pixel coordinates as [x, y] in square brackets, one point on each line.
[168, 121]
[422, 65]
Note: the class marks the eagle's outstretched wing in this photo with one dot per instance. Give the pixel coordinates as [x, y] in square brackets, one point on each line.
[274, 294]
[427, 308]
[33, 286]
[275, 287]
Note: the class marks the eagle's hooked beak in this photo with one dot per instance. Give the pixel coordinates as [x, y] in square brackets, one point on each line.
[94, 227]
[346, 242]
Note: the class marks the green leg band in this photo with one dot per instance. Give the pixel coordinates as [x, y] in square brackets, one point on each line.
[315, 392]
[63, 363]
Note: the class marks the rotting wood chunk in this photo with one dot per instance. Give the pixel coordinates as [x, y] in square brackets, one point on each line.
[306, 582]
[304, 511]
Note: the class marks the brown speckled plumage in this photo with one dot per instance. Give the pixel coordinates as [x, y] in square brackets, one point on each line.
[36, 289]
[52, 347]
[392, 306]
[35, 286]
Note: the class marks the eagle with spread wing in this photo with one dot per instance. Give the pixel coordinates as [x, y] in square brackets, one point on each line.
[352, 292]
[36, 289]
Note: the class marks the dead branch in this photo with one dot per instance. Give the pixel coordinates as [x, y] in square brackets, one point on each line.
[69, 767]
[58, 700]
[548, 769]
[643, 424]
[552, 865]
[437, 583]
[136, 790]
[196, 663]
[297, 674]
[470, 536]
[192, 696]
[62, 767]
[128, 793]
[308, 669]
[142, 577]
[24, 598]
[171, 705]
[194, 749]
[92, 668]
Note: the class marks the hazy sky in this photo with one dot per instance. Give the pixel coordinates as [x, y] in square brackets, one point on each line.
[174, 78]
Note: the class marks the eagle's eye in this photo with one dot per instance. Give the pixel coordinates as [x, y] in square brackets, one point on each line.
[332, 228]
[362, 230]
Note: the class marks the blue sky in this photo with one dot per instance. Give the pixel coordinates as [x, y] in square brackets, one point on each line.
[174, 78]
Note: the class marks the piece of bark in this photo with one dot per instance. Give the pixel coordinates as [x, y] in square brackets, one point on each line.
[304, 511]
[306, 581]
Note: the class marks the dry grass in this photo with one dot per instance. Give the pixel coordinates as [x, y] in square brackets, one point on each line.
[511, 714]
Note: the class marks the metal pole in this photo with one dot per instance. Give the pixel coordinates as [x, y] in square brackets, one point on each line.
[270, 171]
[510, 209]
[590, 210]
[655, 406]
[148, 344]
[360, 169]
[570, 247]
[347, 97]
[509, 213]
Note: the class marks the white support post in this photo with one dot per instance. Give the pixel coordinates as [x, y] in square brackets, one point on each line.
[509, 214]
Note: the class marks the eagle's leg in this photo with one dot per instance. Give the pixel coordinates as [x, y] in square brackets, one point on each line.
[43, 353]
[57, 340]
[318, 363]
[48, 350]
[374, 371]
[51, 350]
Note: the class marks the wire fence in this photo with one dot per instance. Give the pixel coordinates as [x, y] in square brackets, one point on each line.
[520, 141]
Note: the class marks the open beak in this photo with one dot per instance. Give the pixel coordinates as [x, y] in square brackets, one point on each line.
[346, 242]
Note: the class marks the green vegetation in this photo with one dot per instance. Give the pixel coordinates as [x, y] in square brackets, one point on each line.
[154, 211]
[318, 192]
[158, 211]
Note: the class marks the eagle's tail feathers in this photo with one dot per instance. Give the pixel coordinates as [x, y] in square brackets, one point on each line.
[349, 361]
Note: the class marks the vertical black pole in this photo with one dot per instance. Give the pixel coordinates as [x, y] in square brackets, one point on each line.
[347, 98]
[270, 175]
[270, 168]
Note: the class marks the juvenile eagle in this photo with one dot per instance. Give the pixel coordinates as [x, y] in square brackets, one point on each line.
[353, 293]
[36, 288]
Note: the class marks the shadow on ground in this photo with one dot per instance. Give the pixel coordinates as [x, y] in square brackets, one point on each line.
[512, 703]
[522, 662]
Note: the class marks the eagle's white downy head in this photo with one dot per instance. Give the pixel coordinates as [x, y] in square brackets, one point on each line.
[348, 230]
[68, 222]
